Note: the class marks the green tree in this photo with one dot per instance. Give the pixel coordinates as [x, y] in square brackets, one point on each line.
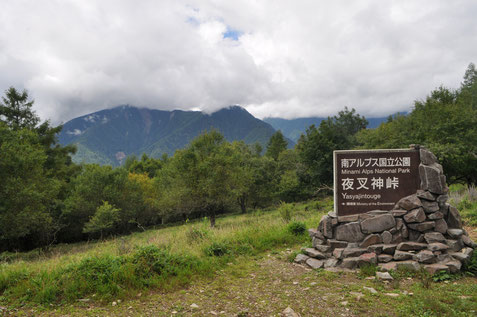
[104, 220]
[201, 176]
[26, 191]
[16, 110]
[315, 147]
[445, 122]
[276, 145]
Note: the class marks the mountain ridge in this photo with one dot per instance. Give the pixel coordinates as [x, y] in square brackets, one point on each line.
[293, 128]
[108, 136]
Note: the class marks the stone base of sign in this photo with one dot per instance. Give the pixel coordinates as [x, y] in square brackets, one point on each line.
[422, 231]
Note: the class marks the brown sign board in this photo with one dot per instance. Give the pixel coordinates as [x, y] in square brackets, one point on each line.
[366, 180]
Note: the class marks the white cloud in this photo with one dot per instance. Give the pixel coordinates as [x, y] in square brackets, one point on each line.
[291, 59]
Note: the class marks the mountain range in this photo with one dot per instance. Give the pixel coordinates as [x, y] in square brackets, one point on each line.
[293, 128]
[109, 136]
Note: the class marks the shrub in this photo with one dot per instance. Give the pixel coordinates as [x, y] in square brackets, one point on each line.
[367, 270]
[296, 228]
[217, 249]
[196, 234]
[286, 211]
[151, 259]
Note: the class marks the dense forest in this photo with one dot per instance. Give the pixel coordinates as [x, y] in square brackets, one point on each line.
[45, 198]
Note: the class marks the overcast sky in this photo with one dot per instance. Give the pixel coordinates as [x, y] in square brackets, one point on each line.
[275, 58]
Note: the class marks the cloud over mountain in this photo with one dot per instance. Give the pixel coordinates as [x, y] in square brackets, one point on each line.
[275, 58]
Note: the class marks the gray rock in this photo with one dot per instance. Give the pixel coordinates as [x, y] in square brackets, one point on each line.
[288, 312]
[350, 263]
[390, 266]
[314, 263]
[378, 223]
[422, 226]
[443, 180]
[415, 215]
[399, 224]
[398, 212]
[431, 179]
[445, 210]
[442, 199]
[301, 258]
[325, 227]
[441, 226]
[425, 256]
[322, 248]
[437, 246]
[365, 216]
[455, 245]
[410, 202]
[435, 215]
[404, 232]
[401, 256]
[312, 232]
[463, 256]
[435, 268]
[349, 218]
[332, 214]
[371, 239]
[378, 212]
[411, 246]
[427, 157]
[414, 235]
[386, 237]
[316, 242]
[397, 238]
[444, 258]
[389, 248]
[350, 232]
[408, 265]
[311, 252]
[424, 194]
[368, 258]
[384, 276]
[468, 242]
[331, 262]
[455, 233]
[338, 253]
[454, 266]
[376, 248]
[430, 206]
[385, 258]
[431, 237]
[353, 252]
[334, 222]
[337, 244]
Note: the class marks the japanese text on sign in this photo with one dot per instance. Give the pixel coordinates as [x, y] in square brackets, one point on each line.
[369, 180]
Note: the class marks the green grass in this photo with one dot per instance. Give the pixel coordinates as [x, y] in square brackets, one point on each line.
[464, 198]
[156, 259]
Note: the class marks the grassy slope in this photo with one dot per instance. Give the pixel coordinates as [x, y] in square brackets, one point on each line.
[255, 277]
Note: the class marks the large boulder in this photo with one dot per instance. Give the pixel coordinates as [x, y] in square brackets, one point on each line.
[350, 232]
[431, 179]
[378, 223]
[415, 215]
[410, 202]
[453, 218]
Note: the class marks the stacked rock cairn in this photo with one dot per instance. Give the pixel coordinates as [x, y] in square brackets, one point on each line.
[422, 230]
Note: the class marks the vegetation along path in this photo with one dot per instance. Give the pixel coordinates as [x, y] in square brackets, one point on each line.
[244, 269]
